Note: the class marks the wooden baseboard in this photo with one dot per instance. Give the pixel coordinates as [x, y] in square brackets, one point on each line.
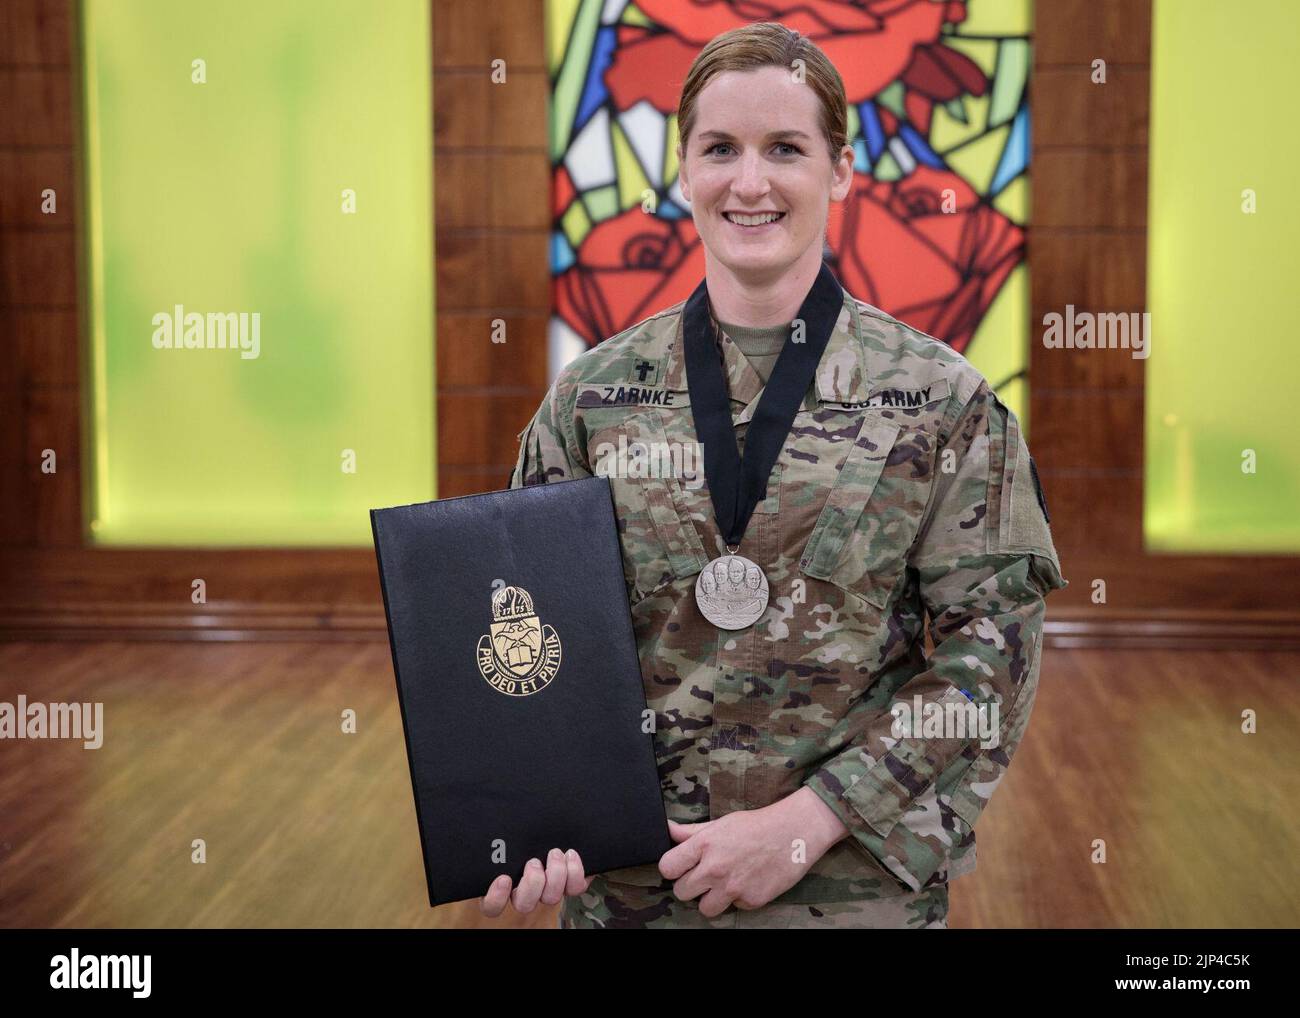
[1190, 630]
[209, 622]
[1173, 630]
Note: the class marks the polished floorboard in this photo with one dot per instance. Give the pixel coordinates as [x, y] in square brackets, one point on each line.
[303, 825]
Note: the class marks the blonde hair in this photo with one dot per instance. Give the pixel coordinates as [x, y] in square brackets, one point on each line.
[768, 44]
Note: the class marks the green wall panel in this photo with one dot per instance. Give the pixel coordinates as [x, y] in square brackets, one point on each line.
[228, 196]
[1221, 281]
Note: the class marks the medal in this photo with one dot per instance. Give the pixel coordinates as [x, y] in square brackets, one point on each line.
[731, 591]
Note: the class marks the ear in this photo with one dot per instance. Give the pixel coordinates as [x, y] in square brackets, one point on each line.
[842, 174]
[681, 174]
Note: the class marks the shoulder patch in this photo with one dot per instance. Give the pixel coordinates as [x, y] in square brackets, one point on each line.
[644, 372]
[1038, 489]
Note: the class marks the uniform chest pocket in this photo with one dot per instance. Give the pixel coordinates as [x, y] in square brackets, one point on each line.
[861, 539]
[658, 540]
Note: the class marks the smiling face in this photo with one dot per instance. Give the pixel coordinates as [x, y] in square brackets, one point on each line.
[757, 173]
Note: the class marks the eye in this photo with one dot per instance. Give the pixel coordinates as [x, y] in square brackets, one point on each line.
[793, 148]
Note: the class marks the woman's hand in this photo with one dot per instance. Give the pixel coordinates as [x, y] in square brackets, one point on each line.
[749, 857]
[562, 877]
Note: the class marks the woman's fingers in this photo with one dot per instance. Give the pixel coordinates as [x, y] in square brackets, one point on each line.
[563, 875]
[530, 887]
[577, 881]
[557, 876]
[494, 902]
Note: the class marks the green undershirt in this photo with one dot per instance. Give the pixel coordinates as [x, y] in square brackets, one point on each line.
[761, 345]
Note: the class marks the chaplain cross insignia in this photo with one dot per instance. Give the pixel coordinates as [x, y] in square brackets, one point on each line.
[644, 368]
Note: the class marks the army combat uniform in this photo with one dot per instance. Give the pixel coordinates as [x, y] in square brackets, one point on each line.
[903, 488]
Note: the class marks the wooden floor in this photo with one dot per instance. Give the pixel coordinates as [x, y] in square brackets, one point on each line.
[241, 745]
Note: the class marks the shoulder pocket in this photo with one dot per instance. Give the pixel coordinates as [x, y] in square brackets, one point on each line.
[659, 542]
[871, 516]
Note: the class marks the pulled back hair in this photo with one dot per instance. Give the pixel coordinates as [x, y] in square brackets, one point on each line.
[768, 44]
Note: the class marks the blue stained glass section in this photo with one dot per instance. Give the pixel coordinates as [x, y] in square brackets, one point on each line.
[594, 92]
[562, 255]
[872, 130]
[919, 147]
[1015, 156]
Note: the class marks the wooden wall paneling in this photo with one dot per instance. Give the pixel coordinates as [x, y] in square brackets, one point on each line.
[467, 359]
[46, 340]
[38, 103]
[492, 172]
[478, 426]
[36, 33]
[1090, 188]
[1089, 429]
[1071, 32]
[1071, 111]
[1087, 249]
[38, 282]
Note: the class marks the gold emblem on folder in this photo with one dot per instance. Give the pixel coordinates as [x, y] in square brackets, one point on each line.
[519, 655]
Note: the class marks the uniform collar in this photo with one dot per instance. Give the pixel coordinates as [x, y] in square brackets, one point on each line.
[841, 373]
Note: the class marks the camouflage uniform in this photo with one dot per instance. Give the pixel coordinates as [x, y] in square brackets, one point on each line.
[904, 487]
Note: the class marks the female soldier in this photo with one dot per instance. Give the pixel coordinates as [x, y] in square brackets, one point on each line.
[817, 768]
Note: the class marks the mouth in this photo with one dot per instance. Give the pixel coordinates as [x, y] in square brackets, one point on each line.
[754, 223]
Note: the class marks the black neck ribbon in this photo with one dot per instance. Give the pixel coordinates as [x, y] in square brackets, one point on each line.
[737, 485]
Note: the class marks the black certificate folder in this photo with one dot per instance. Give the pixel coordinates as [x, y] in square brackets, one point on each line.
[519, 683]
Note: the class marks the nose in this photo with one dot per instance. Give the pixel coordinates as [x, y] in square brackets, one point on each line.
[751, 181]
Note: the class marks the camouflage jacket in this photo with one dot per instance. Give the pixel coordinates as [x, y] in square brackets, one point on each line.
[904, 489]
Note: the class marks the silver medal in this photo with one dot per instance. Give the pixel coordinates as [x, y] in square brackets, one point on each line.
[731, 592]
